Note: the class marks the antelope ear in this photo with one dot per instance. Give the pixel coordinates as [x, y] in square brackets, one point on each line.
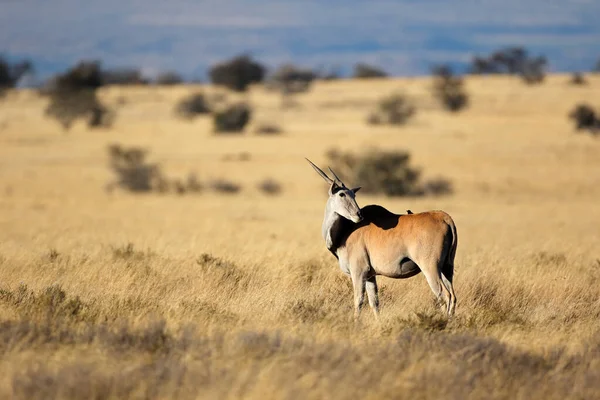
[356, 189]
[334, 188]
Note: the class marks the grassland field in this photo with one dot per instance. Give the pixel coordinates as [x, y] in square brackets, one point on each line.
[117, 295]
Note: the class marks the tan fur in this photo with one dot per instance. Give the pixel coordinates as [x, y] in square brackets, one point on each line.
[383, 243]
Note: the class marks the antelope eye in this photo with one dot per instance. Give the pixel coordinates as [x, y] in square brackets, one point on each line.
[342, 194]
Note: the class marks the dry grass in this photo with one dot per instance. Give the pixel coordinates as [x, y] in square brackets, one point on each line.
[213, 296]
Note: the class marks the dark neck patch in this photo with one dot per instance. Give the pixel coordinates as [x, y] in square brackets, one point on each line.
[340, 230]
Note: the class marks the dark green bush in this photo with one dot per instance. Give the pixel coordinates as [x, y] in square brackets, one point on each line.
[233, 119]
[514, 61]
[133, 172]
[168, 78]
[73, 96]
[395, 109]
[268, 129]
[11, 73]
[270, 187]
[585, 118]
[191, 106]
[238, 73]
[362, 71]
[578, 79]
[449, 89]
[385, 172]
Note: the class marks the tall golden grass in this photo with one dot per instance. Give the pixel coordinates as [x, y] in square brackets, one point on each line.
[228, 296]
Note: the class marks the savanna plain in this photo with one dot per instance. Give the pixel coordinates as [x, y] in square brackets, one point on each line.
[211, 295]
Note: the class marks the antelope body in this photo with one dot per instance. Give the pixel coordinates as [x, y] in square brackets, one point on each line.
[373, 241]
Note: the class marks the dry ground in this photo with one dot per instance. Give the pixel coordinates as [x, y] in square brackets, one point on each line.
[236, 296]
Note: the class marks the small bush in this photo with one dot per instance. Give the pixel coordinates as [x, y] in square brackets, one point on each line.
[237, 74]
[395, 109]
[437, 187]
[133, 172]
[385, 172]
[449, 89]
[168, 78]
[363, 71]
[268, 129]
[585, 118]
[192, 106]
[73, 96]
[578, 79]
[270, 187]
[233, 119]
[11, 73]
[136, 175]
[225, 186]
[290, 79]
[123, 76]
[533, 71]
[514, 61]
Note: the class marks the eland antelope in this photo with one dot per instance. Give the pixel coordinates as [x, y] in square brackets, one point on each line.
[373, 241]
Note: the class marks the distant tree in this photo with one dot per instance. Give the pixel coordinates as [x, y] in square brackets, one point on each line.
[289, 80]
[597, 67]
[168, 78]
[233, 119]
[449, 89]
[238, 73]
[514, 61]
[362, 71]
[578, 79]
[123, 76]
[329, 74]
[11, 73]
[395, 109]
[73, 96]
[585, 118]
[482, 65]
[192, 106]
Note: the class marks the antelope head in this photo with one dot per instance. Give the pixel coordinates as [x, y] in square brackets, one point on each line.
[341, 200]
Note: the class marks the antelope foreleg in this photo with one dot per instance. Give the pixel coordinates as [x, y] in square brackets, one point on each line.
[359, 282]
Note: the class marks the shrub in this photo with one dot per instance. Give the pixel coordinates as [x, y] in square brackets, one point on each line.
[168, 78]
[436, 187]
[268, 129]
[233, 119]
[585, 118]
[533, 71]
[514, 61]
[385, 172]
[133, 172]
[11, 73]
[331, 74]
[270, 187]
[362, 71]
[449, 89]
[123, 76]
[291, 79]
[578, 79]
[225, 186]
[73, 96]
[237, 74]
[191, 106]
[395, 109]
